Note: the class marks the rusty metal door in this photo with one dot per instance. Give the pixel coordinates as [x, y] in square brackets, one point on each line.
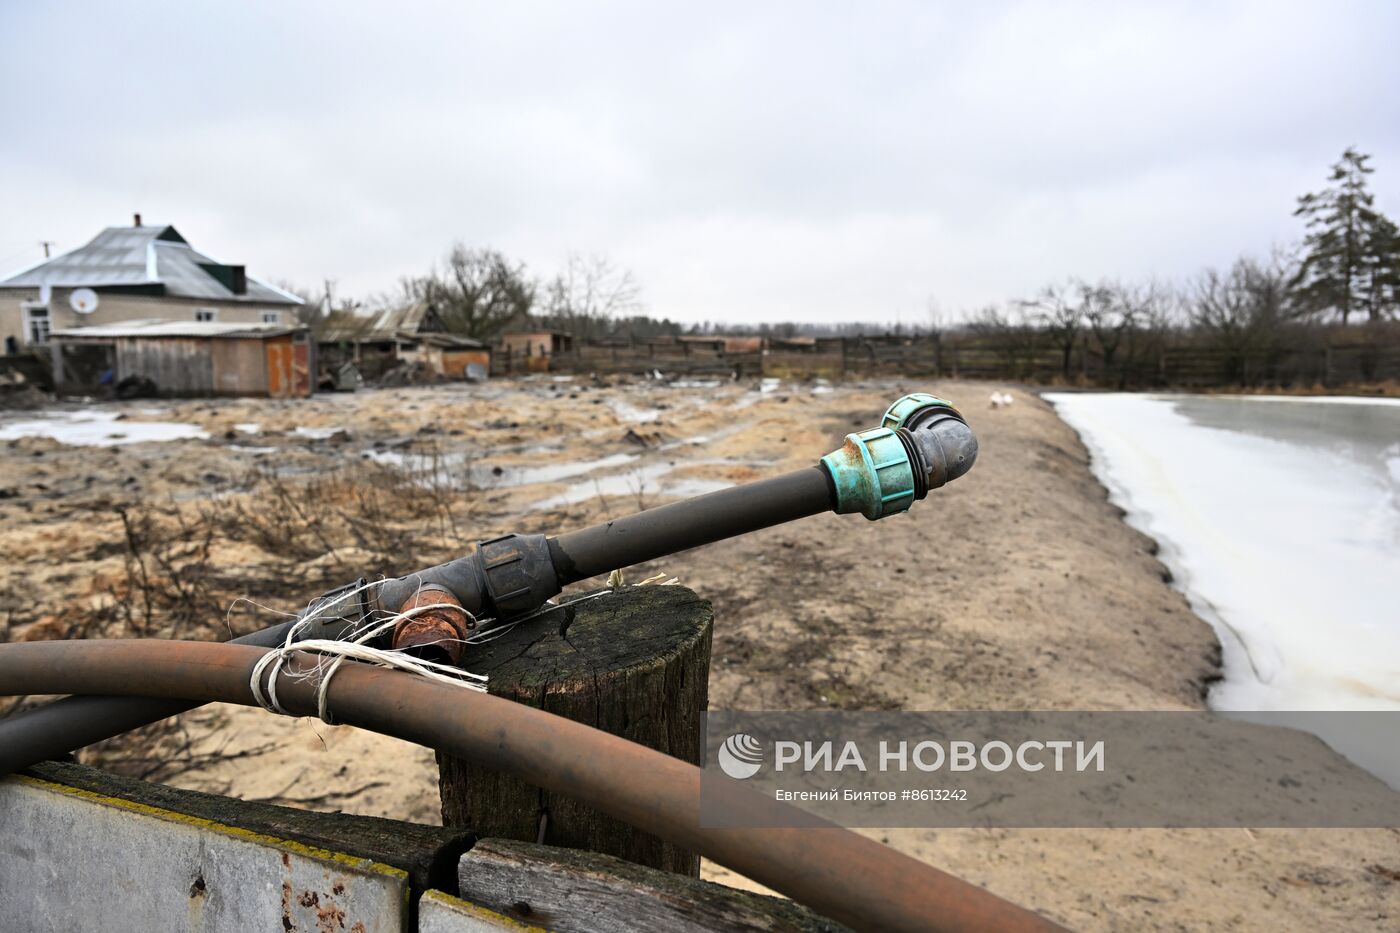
[301, 385]
[279, 368]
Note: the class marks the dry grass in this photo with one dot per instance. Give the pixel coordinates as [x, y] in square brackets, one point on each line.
[202, 570]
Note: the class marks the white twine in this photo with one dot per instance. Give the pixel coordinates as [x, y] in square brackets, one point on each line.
[271, 665]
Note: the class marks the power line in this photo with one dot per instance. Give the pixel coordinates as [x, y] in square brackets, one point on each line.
[19, 254]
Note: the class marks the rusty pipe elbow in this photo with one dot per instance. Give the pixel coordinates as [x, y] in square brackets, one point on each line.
[438, 634]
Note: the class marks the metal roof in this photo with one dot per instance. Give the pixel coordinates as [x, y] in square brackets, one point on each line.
[402, 322]
[176, 329]
[147, 255]
[386, 324]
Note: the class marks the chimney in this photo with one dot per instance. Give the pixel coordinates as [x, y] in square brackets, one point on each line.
[136, 220]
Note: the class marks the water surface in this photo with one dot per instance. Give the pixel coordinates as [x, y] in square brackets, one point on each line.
[1280, 519]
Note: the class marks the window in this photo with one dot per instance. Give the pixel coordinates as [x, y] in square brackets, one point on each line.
[205, 314]
[36, 324]
[272, 317]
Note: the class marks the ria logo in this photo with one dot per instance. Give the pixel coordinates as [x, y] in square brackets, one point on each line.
[741, 756]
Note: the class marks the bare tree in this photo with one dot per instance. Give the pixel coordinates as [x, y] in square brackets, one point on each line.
[589, 293]
[1062, 311]
[1013, 338]
[477, 292]
[1147, 315]
[1110, 314]
[1243, 310]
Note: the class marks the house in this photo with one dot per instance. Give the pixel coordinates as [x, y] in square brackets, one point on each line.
[185, 358]
[413, 333]
[136, 273]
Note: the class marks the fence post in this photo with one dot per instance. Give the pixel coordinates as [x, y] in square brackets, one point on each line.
[635, 663]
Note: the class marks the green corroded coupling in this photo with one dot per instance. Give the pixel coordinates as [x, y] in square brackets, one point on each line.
[897, 415]
[872, 474]
[921, 444]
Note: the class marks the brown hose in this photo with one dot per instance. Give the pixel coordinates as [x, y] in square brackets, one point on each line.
[835, 871]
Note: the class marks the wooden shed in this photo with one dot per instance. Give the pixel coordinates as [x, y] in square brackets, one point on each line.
[544, 343]
[187, 358]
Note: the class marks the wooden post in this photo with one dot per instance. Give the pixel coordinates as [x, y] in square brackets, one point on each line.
[635, 663]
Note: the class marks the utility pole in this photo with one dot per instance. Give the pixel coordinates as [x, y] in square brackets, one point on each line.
[46, 244]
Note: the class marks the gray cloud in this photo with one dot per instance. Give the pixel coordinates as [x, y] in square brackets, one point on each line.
[747, 161]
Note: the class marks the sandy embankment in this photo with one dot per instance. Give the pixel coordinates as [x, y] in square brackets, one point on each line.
[1018, 587]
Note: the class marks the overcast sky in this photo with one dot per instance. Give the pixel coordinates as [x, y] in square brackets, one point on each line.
[754, 161]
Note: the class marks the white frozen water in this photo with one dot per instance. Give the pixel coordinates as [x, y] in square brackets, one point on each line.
[1281, 523]
[92, 428]
[1321, 399]
[641, 483]
[630, 414]
[317, 434]
[696, 486]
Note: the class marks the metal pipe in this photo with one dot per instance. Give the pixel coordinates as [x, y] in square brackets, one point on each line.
[58, 728]
[689, 523]
[53, 730]
[836, 872]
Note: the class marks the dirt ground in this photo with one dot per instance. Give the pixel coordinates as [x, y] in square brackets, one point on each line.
[1017, 587]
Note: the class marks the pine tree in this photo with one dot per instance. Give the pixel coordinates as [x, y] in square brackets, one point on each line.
[1341, 221]
[1382, 268]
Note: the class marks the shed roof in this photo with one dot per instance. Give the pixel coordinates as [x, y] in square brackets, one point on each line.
[416, 321]
[149, 255]
[385, 324]
[176, 329]
[451, 341]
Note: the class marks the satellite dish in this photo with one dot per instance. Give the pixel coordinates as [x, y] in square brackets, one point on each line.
[83, 300]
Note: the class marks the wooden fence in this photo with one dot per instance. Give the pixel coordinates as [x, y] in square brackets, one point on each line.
[1185, 361]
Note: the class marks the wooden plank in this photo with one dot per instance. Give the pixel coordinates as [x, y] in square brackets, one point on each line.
[584, 892]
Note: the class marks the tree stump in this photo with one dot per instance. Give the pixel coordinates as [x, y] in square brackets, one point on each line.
[634, 663]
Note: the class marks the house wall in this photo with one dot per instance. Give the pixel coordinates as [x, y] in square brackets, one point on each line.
[118, 309]
[421, 353]
[527, 344]
[455, 362]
